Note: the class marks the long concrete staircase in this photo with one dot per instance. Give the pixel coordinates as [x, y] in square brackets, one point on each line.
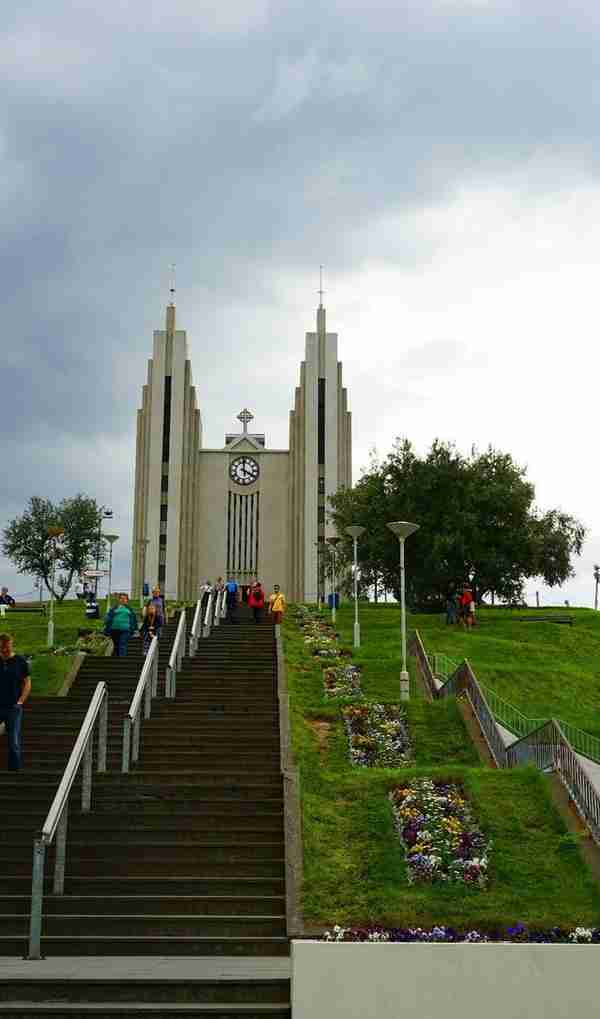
[178, 872]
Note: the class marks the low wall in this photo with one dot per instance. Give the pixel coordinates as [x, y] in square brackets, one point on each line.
[395, 981]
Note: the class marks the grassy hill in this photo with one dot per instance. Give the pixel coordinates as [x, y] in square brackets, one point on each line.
[354, 866]
[545, 669]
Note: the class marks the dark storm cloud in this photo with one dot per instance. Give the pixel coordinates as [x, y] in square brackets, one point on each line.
[235, 139]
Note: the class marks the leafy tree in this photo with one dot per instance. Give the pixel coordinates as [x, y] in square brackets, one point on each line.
[477, 520]
[27, 543]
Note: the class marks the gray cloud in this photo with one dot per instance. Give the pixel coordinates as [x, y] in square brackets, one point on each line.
[247, 142]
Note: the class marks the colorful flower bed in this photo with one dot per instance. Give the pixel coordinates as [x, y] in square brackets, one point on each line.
[439, 835]
[377, 735]
[342, 681]
[520, 933]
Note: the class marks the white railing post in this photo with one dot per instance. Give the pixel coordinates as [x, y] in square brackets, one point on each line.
[37, 896]
[208, 614]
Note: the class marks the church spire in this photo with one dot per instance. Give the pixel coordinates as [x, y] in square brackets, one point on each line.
[171, 305]
[321, 325]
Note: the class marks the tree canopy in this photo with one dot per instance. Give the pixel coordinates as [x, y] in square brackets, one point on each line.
[477, 521]
[27, 543]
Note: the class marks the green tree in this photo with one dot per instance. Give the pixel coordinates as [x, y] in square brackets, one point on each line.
[476, 516]
[27, 543]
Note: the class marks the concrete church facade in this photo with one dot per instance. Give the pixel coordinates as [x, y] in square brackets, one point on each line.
[243, 510]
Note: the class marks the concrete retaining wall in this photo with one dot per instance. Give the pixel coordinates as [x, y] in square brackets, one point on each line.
[395, 981]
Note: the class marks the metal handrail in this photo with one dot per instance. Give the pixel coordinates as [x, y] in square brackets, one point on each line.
[176, 657]
[57, 819]
[218, 607]
[146, 689]
[547, 746]
[549, 749]
[507, 714]
[208, 614]
[195, 631]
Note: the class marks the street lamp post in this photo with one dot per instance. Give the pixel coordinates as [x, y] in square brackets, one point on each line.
[333, 541]
[110, 538]
[53, 533]
[597, 579]
[103, 514]
[402, 529]
[355, 532]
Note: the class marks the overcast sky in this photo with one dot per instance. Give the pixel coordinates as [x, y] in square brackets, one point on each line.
[439, 157]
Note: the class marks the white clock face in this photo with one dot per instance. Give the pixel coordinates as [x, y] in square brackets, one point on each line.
[244, 470]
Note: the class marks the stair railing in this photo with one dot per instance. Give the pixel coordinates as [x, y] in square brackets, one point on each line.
[57, 820]
[196, 625]
[208, 614]
[146, 689]
[218, 607]
[176, 657]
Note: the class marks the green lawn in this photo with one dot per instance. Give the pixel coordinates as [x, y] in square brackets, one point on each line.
[353, 864]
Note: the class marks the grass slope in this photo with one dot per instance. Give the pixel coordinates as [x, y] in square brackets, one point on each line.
[547, 670]
[354, 865]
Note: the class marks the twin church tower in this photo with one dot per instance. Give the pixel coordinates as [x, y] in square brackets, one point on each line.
[244, 510]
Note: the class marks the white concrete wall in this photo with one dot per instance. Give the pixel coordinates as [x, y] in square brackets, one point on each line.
[415, 981]
[176, 444]
[155, 455]
[311, 475]
[331, 425]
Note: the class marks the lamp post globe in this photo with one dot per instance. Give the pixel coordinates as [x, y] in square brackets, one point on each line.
[403, 529]
[333, 541]
[355, 532]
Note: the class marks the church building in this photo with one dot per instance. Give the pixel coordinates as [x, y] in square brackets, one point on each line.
[243, 511]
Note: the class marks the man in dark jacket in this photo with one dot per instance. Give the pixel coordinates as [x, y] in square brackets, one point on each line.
[15, 687]
[120, 624]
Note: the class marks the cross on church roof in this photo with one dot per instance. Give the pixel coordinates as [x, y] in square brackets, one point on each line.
[245, 417]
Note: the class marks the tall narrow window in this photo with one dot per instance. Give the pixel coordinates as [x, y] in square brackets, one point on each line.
[167, 420]
[321, 423]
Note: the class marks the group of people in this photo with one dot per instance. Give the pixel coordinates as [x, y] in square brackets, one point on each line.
[121, 622]
[251, 594]
[460, 608]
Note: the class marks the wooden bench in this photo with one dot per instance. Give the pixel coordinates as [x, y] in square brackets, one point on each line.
[565, 620]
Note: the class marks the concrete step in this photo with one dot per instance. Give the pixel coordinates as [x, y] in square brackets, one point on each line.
[149, 946]
[135, 992]
[146, 925]
[149, 887]
[157, 865]
[166, 1010]
[124, 905]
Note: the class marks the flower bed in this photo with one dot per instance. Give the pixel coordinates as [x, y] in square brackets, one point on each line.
[342, 681]
[377, 735]
[520, 933]
[439, 835]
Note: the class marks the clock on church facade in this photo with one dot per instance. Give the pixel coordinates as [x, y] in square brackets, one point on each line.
[244, 470]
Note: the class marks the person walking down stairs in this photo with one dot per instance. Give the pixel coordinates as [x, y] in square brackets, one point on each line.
[256, 601]
[151, 625]
[277, 604]
[120, 624]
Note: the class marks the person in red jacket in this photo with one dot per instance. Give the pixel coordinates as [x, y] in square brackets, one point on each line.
[256, 601]
[466, 616]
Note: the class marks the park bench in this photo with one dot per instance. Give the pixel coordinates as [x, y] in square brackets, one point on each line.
[565, 620]
[25, 608]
